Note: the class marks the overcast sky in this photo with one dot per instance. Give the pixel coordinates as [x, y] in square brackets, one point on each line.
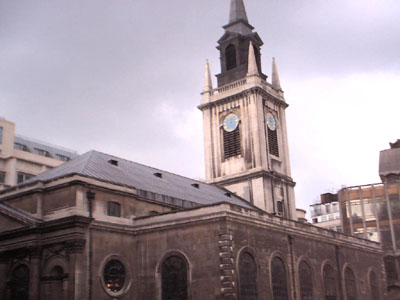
[124, 77]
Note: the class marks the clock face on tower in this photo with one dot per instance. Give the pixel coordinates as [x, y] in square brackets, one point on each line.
[231, 122]
[271, 121]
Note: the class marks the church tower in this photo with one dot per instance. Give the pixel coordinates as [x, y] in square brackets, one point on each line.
[246, 144]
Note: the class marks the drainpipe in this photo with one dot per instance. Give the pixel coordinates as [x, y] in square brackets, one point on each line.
[339, 272]
[290, 240]
[90, 196]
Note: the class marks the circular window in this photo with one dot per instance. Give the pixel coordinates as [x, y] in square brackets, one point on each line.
[115, 277]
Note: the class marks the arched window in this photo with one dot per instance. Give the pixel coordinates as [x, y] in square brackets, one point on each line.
[174, 278]
[278, 276]
[230, 54]
[56, 283]
[114, 209]
[374, 287]
[306, 284]
[19, 284]
[329, 283]
[247, 277]
[350, 284]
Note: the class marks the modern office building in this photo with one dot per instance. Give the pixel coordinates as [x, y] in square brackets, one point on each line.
[21, 158]
[373, 212]
[326, 214]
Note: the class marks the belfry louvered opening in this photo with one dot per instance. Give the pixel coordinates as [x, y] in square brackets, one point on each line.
[232, 143]
[273, 142]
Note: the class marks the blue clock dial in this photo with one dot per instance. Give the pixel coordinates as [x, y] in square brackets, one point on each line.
[271, 121]
[231, 121]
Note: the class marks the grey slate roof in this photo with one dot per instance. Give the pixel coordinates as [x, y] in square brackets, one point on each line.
[31, 144]
[169, 188]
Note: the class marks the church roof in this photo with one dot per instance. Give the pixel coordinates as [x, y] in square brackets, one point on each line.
[123, 172]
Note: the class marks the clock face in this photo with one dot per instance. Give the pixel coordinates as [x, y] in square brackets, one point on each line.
[231, 122]
[271, 121]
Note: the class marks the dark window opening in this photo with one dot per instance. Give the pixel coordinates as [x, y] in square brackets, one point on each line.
[159, 175]
[21, 177]
[273, 142]
[373, 281]
[1, 135]
[114, 209]
[280, 206]
[257, 55]
[230, 53]
[113, 162]
[114, 275]
[196, 185]
[232, 143]
[19, 284]
[279, 284]
[42, 152]
[2, 177]
[306, 285]
[247, 277]
[174, 279]
[350, 283]
[21, 147]
[62, 157]
[330, 283]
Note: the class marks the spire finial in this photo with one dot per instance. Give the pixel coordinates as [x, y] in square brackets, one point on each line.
[252, 63]
[275, 76]
[207, 78]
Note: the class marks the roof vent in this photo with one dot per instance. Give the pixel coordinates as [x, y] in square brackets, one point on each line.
[196, 185]
[159, 175]
[228, 194]
[113, 162]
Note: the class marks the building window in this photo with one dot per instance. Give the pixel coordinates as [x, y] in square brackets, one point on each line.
[330, 283]
[2, 177]
[174, 279]
[1, 135]
[247, 277]
[279, 205]
[21, 177]
[390, 268]
[230, 54]
[279, 284]
[232, 143]
[374, 287]
[113, 209]
[114, 275]
[350, 284]
[21, 147]
[273, 142]
[306, 284]
[56, 283]
[42, 152]
[62, 157]
[19, 284]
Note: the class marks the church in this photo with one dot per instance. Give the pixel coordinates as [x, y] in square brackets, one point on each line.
[103, 227]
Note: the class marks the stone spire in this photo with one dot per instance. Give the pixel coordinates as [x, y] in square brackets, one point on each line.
[252, 65]
[275, 76]
[237, 12]
[238, 21]
[207, 79]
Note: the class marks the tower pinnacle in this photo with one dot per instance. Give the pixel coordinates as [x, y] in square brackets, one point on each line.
[207, 78]
[276, 84]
